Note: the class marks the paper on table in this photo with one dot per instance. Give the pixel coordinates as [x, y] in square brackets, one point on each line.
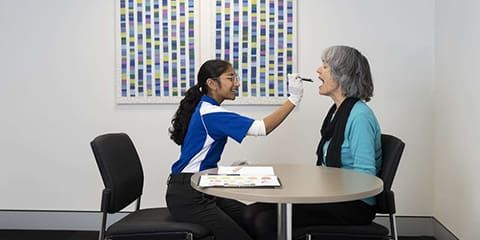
[238, 181]
[247, 170]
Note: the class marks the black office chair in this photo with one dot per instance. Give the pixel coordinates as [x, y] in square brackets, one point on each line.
[122, 175]
[392, 149]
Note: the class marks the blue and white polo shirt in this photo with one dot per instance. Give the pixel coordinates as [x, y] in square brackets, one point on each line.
[207, 134]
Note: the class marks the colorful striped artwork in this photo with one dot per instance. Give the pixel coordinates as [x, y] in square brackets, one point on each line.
[257, 37]
[156, 56]
[158, 47]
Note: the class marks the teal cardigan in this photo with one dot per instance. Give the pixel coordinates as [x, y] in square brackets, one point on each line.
[361, 148]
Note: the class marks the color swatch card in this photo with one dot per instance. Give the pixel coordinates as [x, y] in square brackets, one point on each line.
[238, 181]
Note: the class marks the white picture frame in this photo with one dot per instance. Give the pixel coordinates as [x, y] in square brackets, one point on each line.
[158, 51]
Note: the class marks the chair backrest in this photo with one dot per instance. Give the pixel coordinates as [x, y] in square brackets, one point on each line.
[392, 149]
[121, 170]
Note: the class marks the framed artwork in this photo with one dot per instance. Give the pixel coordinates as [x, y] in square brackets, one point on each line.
[160, 44]
[156, 50]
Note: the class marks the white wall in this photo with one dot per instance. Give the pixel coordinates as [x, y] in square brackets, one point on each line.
[57, 94]
[457, 115]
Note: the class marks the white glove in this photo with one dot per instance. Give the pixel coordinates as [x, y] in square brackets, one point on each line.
[295, 88]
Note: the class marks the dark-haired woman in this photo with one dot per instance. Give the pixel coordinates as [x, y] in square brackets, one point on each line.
[201, 127]
[351, 139]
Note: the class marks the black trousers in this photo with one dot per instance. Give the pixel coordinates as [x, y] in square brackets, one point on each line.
[222, 216]
[263, 216]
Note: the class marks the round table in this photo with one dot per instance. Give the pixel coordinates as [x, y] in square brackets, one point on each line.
[300, 184]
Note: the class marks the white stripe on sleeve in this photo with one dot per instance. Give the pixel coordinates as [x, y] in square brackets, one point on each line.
[257, 129]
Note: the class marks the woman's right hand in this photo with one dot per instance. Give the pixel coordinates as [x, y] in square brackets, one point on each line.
[295, 88]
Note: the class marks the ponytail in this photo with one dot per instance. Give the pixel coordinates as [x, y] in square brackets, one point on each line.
[184, 114]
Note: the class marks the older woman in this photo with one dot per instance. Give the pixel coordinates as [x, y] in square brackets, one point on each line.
[350, 139]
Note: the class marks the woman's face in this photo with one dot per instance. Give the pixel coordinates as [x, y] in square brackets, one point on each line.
[229, 83]
[328, 86]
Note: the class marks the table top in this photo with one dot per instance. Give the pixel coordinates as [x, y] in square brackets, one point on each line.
[302, 184]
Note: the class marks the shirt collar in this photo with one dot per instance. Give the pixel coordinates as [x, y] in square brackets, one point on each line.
[208, 99]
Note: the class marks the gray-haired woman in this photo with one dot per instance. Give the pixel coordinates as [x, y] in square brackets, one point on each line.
[351, 139]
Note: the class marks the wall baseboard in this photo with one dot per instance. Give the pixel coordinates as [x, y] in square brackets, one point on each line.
[90, 221]
[418, 226]
[55, 220]
[441, 232]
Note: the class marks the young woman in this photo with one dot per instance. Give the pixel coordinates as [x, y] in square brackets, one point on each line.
[201, 127]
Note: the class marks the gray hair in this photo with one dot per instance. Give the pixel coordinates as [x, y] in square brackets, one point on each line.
[351, 71]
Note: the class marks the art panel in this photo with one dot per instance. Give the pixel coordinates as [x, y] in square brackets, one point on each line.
[158, 47]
